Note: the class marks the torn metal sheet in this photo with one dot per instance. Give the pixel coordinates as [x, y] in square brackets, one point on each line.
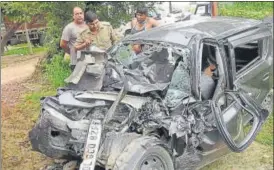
[150, 71]
[89, 71]
[77, 73]
[134, 101]
[95, 70]
[68, 99]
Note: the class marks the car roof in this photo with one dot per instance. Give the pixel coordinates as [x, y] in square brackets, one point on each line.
[207, 27]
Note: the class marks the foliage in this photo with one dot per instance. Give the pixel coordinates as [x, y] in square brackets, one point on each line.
[57, 71]
[20, 11]
[24, 51]
[58, 15]
[117, 13]
[254, 10]
[31, 101]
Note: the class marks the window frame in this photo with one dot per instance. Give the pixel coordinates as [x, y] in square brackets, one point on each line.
[251, 63]
[254, 34]
[218, 51]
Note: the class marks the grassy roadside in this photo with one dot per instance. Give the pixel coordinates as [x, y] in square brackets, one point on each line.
[22, 49]
[20, 53]
[265, 136]
[16, 122]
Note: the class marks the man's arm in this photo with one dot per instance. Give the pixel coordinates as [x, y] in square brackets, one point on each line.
[81, 42]
[65, 39]
[113, 36]
[80, 46]
[133, 22]
[154, 22]
[64, 45]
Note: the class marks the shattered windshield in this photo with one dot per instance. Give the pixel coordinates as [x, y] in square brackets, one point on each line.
[150, 67]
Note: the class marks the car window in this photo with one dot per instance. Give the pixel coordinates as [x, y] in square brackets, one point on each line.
[247, 53]
[201, 10]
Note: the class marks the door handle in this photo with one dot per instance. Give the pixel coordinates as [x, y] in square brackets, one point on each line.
[265, 76]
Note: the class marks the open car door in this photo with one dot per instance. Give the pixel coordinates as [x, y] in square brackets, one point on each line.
[238, 117]
[239, 113]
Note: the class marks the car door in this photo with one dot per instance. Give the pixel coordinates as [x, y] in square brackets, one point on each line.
[237, 110]
[256, 76]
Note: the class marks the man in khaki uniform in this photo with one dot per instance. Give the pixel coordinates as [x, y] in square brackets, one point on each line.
[100, 34]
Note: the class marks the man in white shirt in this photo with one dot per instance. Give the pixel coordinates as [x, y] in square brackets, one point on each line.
[207, 82]
[70, 34]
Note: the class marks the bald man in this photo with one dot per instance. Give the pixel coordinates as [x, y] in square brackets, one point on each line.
[70, 34]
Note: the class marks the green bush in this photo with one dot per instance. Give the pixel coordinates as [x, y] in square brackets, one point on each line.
[254, 10]
[57, 70]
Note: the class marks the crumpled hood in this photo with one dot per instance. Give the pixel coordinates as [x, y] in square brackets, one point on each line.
[144, 74]
[78, 98]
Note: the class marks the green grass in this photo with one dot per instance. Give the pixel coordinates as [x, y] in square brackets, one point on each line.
[265, 136]
[254, 10]
[31, 101]
[57, 71]
[24, 51]
[19, 45]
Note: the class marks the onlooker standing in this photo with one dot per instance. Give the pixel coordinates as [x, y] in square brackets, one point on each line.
[99, 33]
[70, 34]
[142, 22]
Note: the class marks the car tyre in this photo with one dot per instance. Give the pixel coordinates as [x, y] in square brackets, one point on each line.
[143, 154]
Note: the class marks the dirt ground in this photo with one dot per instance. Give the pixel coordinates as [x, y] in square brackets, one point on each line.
[16, 123]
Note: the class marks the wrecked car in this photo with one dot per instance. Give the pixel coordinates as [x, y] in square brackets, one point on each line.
[157, 108]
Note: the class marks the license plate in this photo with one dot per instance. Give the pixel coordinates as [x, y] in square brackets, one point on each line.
[92, 145]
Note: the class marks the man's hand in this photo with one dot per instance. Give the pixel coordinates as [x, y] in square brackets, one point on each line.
[64, 45]
[88, 42]
[83, 45]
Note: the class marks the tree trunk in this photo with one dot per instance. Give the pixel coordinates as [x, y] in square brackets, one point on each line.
[8, 35]
[28, 39]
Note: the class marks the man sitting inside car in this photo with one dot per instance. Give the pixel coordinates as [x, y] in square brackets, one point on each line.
[207, 82]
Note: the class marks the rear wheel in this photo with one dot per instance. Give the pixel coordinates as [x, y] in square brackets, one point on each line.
[144, 153]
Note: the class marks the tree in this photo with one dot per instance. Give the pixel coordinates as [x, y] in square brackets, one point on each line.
[19, 13]
[59, 14]
[117, 12]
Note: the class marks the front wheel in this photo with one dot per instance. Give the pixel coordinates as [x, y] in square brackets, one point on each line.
[144, 153]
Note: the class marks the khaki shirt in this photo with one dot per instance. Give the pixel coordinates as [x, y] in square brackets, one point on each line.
[104, 38]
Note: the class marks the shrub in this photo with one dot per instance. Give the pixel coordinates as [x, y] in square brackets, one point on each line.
[57, 70]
